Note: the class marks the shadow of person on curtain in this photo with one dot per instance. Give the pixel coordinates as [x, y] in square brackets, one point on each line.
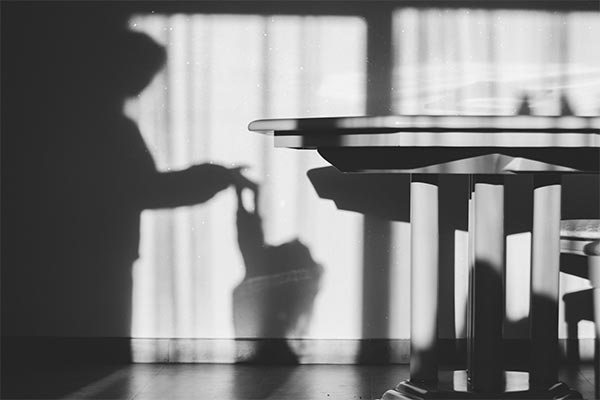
[80, 177]
[121, 178]
[274, 301]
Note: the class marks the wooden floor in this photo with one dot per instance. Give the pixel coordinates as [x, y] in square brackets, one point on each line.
[223, 382]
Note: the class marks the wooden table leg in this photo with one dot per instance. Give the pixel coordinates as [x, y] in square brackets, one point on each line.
[485, 378]
[424, 278]
[471, 263]
[485, 370]
[424, 226]
[545, 269]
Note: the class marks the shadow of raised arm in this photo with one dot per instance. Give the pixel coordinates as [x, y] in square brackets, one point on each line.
[196, 184]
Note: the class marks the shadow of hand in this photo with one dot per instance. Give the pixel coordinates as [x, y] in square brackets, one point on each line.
[251, 238]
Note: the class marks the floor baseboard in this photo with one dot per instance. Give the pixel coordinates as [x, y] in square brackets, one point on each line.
[278, 351]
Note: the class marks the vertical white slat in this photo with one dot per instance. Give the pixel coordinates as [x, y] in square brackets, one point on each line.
[584, 62]
[178, 81]
[157, 125]
[406, 71]
[200, 136]
[144, 282]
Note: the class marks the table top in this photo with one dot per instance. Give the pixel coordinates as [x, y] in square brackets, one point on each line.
[434, 130]
[445, 143]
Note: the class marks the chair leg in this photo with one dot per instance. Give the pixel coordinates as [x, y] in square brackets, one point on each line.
[597, 367]
[579, 306]
[593, 252]
[597, 341]
[572, 342]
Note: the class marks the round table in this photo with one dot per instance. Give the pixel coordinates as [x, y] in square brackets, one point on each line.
[486, 148]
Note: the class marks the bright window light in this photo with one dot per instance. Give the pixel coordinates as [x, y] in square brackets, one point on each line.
[470, 61]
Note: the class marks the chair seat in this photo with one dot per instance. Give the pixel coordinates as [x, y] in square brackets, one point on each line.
[580, 236]
[581, 229]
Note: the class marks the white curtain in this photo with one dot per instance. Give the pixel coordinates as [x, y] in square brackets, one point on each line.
[224, 71]
[473, 61]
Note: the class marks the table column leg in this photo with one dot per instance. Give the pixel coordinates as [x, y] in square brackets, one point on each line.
[485, 372]
[424, 278]
[545, 269]
[471, 263]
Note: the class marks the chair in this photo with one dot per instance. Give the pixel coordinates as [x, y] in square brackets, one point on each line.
[580, 239]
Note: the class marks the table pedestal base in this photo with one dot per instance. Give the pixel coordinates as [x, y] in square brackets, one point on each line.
[516, 387]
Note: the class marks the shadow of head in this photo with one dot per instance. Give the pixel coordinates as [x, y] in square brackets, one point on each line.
[122, 64]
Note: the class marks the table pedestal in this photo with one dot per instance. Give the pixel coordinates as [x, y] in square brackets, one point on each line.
[485, 377]
[516, 387]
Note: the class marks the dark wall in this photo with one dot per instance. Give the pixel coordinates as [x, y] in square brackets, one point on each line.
[70, 228]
